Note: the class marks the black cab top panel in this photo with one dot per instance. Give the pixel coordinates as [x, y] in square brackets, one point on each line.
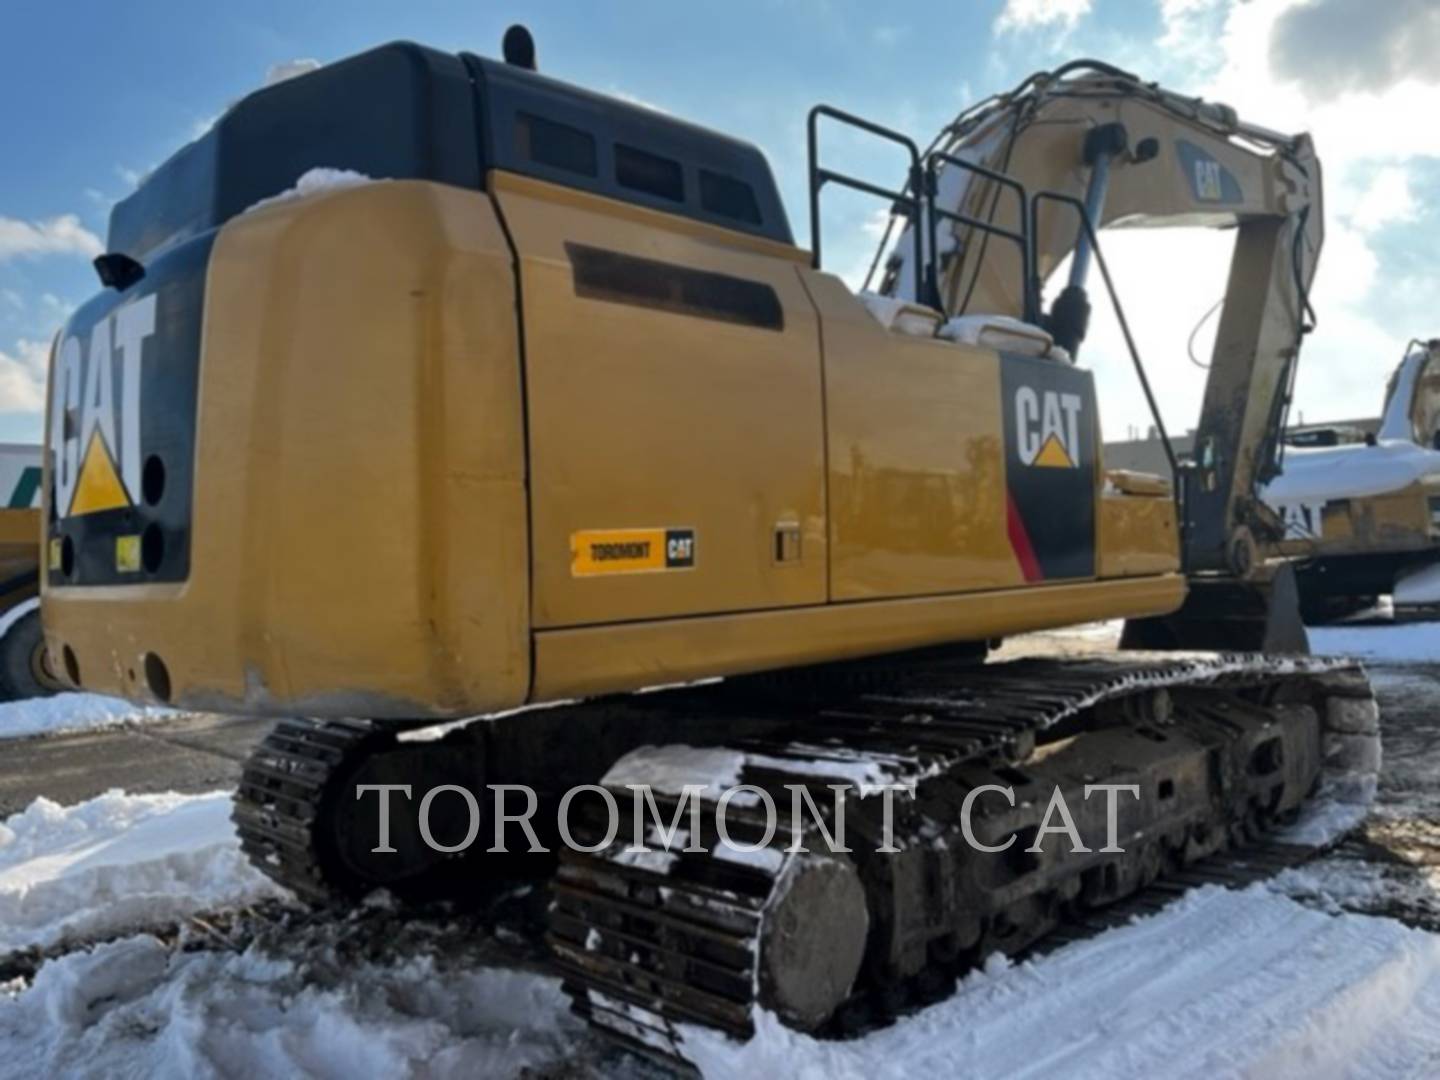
[552, 130]
[403, 111]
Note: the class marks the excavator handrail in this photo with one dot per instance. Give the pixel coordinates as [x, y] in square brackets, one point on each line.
[1091, 233]
[1024, 237]
[914, 204]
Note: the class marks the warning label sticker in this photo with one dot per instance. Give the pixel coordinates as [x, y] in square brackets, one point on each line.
[630, 551]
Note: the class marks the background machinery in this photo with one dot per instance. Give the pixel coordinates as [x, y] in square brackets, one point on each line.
[554, 408]
[1362, 519]
[24, 661]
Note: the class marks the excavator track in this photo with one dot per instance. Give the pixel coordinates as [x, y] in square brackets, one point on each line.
[284, 789]
[294, 809]
[651, 943]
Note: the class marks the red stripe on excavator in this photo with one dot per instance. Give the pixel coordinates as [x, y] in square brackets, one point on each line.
[1020, 541]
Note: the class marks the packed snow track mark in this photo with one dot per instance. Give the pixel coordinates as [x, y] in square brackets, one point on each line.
[1221, 983]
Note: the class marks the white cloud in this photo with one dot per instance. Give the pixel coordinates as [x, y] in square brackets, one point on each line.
[13, 299]
[57, 307]
[287, 69]
[1387, 200]
[1161, 309]
[876, 223]
[22, 377]
[1335, 46]
[63, 235]
[1370, 141]
[1186, 25]
[1033, 14]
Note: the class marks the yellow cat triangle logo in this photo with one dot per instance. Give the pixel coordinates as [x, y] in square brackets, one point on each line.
[1052, 456]
[98, 487]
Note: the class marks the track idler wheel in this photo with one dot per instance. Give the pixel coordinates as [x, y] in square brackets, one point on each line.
[813, 939]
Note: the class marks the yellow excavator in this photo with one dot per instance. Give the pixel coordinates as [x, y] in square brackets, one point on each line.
[1363, 517]
[425, 386]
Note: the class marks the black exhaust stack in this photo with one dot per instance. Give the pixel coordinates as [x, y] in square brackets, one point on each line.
[518, 48]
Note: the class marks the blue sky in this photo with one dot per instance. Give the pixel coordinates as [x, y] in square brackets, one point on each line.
[100, 92]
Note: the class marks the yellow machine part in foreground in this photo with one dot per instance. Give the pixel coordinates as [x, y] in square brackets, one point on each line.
[395, 515]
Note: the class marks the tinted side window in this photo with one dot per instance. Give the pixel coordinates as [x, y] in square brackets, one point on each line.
[648, 173]
[560, 146]
[728, 197]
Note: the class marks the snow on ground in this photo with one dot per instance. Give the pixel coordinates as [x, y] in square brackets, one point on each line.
[118, 862]
[1325, 820]
[1280, 979]
[1220, 983]
[134, 1008]
[1344, 881]
[1399, 643]
[71, 712]
[1223, 983]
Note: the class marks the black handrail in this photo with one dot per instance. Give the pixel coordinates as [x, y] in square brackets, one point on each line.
[914, 204]
[1029, 295]
[923, 215]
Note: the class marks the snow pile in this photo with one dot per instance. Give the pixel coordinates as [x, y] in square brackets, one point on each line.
[669, 769]
[1405, 643]
[289, 69]
[902, 316]
[1325, 820]
[314, 182]
[1107, 631]
[1003, 333]
[1349, 472]
[1220, 983]
[118, 862]
[1419, 587]
[134, 1008]
[1344, 882]
[710, 772]
[72, 712]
